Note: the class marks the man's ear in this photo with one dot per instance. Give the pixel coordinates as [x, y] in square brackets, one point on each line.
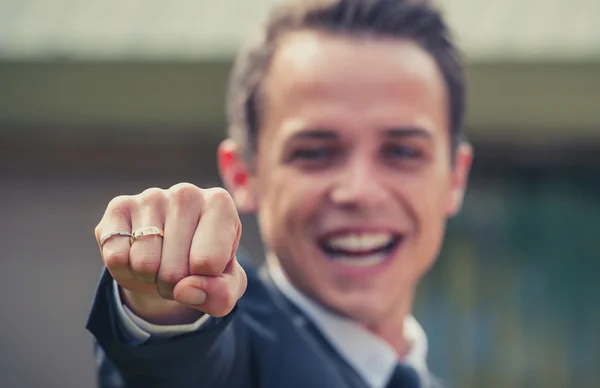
[459, 179]
[236, 176]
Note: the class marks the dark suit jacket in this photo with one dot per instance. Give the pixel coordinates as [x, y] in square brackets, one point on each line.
[265, 342]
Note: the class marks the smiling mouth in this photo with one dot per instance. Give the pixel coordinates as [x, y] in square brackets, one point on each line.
[365, 249]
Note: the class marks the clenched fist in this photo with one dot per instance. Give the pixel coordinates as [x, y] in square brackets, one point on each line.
[191, 269]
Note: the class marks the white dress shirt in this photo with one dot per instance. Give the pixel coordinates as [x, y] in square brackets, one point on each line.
[370, 356]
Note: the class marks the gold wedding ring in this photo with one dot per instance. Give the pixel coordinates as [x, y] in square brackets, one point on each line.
[107, 236]
[147, 231]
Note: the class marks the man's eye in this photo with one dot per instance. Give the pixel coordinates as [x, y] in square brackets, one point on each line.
[312, 153]
[403, 152]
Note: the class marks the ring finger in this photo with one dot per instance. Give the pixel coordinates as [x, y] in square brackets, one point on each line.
[145, 253]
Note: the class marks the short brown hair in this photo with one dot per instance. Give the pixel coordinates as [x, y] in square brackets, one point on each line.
[417, 20]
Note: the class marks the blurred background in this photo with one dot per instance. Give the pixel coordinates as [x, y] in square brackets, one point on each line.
[101, 98]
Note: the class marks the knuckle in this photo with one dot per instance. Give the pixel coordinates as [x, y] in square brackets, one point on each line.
[116, 259]
[146, 265]
[220, 198]
[172, 276]
[220, 201]
[184, 194]
[207, 265]
[120, 206]
[150, 197]
[98, 232]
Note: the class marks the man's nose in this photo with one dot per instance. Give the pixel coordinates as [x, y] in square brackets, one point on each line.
[360, 184]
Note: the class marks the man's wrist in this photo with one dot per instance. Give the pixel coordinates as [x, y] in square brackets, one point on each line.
[137, 330]
[158, 311]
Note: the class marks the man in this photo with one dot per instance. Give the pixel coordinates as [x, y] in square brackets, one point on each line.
[345, 124]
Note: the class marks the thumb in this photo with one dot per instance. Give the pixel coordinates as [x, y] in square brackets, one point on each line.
[213, 295]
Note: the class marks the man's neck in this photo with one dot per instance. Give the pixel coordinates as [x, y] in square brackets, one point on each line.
[389, 328]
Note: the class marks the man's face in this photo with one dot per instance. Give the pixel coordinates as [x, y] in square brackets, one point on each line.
[354, 180]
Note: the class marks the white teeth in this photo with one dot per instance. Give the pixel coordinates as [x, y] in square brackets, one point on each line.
[360, 242]
[365, 261]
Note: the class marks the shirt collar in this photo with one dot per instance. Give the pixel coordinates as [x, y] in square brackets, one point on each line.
[373, 358]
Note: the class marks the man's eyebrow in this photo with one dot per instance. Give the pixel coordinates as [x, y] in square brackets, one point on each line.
[392, 132]
[315, 134]
[408, 132]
